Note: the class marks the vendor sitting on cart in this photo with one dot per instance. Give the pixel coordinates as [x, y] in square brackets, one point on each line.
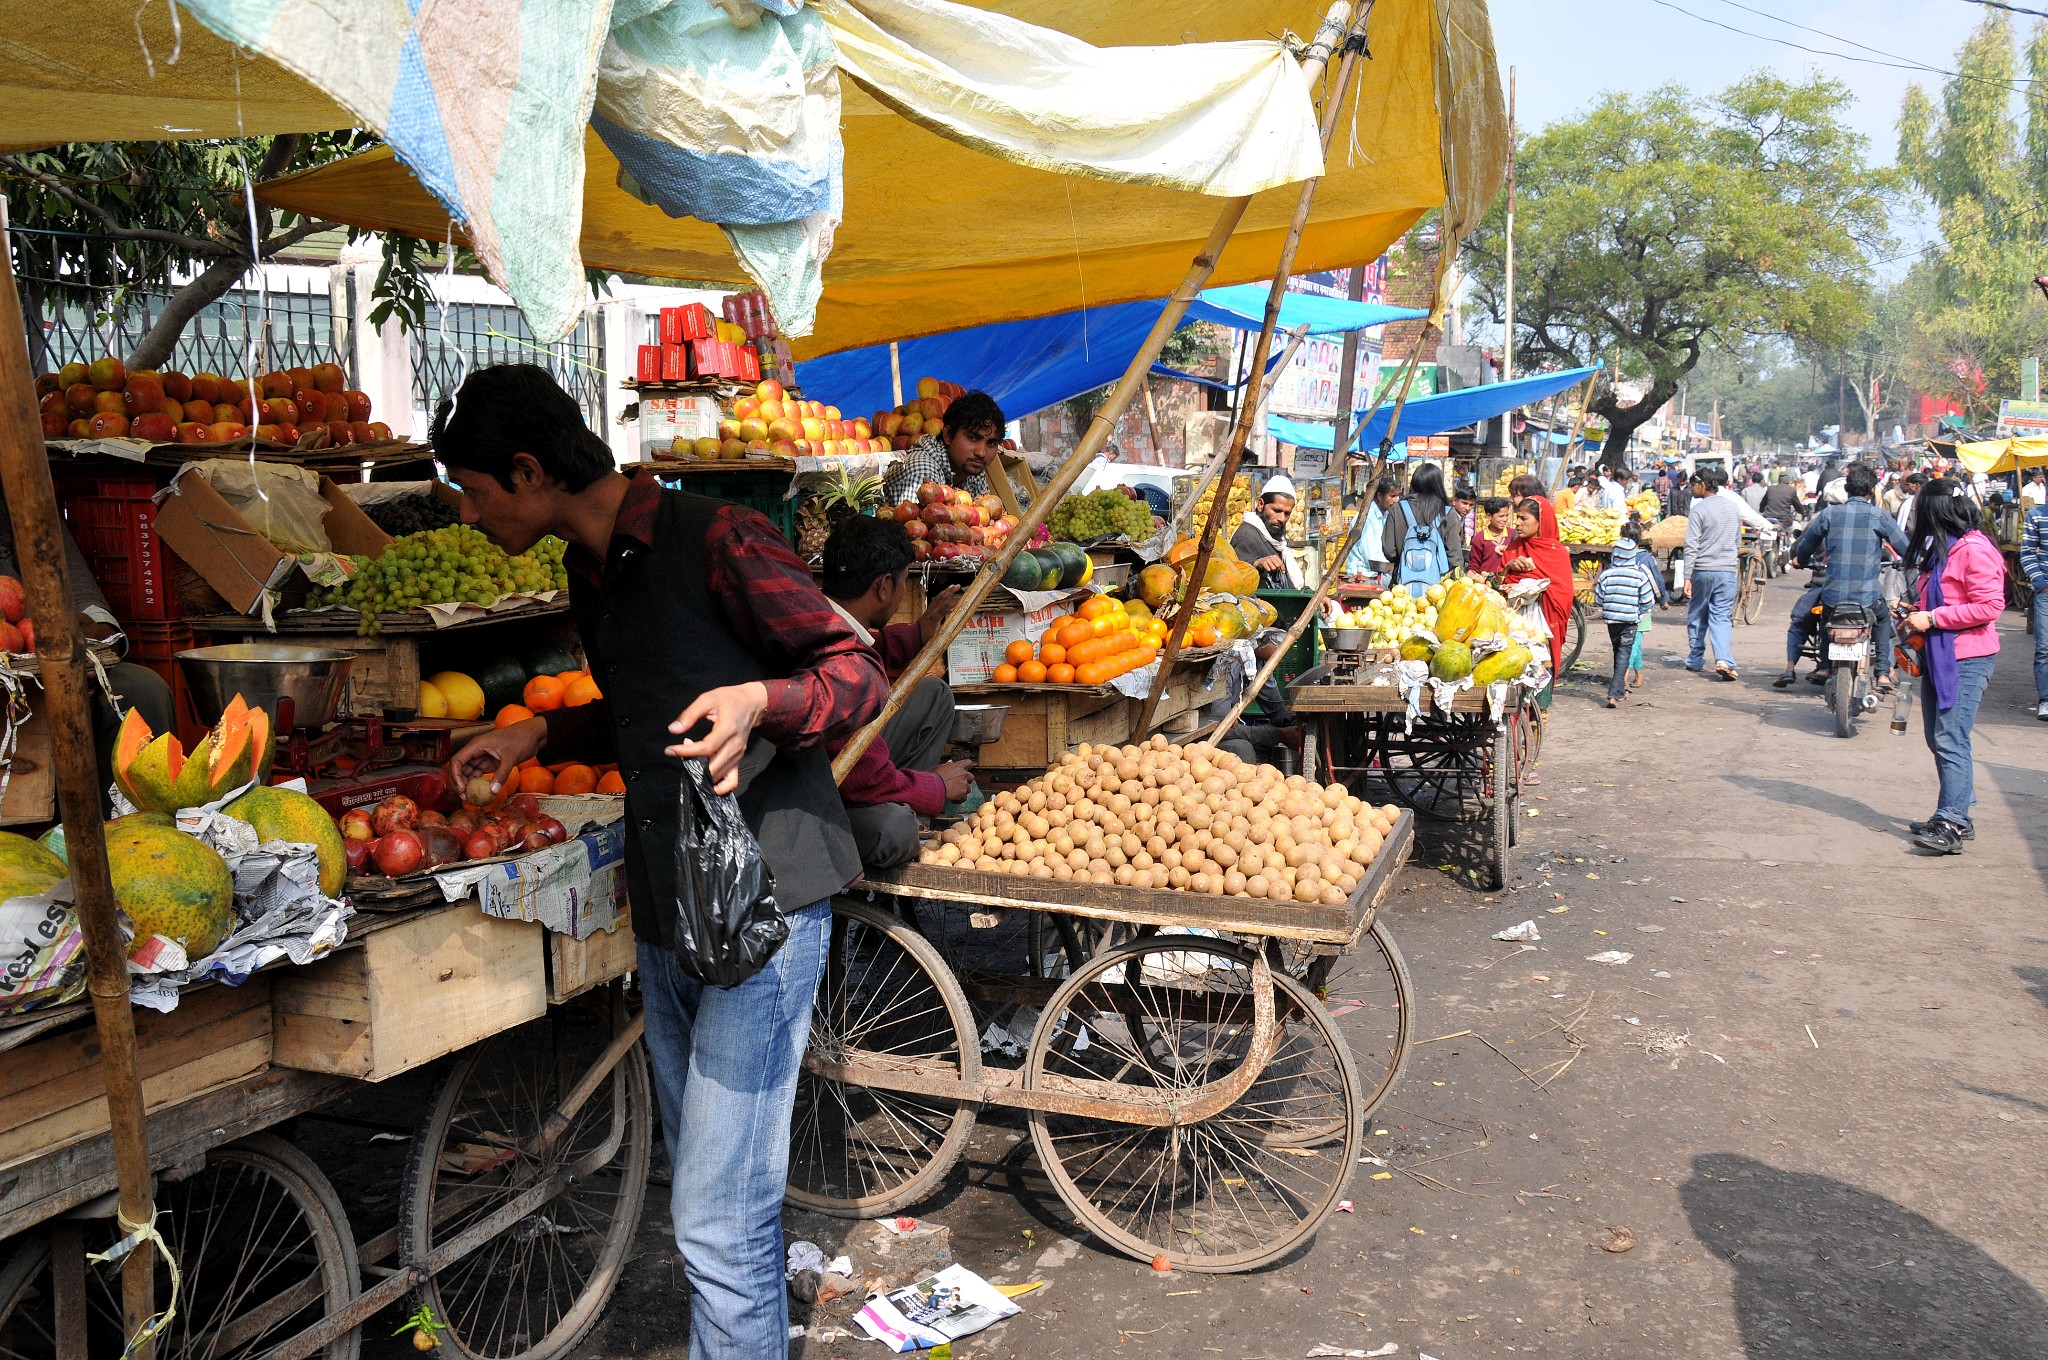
[137, 686]
[969, 436]
[901, 776]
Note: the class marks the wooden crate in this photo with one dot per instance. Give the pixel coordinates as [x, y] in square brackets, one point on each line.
[410, 992]
[1046, 722]
[53, 1094]
[576, 966]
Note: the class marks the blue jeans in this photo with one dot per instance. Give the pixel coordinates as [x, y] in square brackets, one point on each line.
[1623, 636]
[725, 1064]
[1948, 736]
[1804, 624]
[2041, 645]
[1706, 622]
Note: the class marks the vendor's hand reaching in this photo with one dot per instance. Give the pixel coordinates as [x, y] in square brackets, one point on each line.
[493, 754]
[1271, 562]
[935, 613]
[733, 711]
[958, 777]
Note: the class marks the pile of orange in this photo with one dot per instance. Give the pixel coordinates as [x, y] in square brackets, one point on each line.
[1091, 646]
[544, 693]
[567, 777]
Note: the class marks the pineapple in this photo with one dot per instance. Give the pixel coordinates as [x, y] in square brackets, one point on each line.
[840, 496]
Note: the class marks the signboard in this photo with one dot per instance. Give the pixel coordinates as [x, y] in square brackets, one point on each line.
[1336, 283]
[1423, 384]
[2022, 417]
[1307, 388]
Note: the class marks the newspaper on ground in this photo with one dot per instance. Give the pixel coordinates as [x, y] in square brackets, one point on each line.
[937, 1309]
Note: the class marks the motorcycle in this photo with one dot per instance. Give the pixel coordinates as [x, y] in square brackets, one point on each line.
[1844, 639]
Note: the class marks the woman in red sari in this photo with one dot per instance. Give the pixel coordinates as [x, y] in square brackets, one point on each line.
[1538, 551]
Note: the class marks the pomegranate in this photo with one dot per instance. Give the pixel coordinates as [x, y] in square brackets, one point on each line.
[557, 833]
[358, 853]
[396, 813]
[526, 805]
[399, 853]
[479, 845]
[432, 818]
[536, 839]
[355, 826]
[442, 845]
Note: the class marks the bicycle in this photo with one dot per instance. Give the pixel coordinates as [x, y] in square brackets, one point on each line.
[1749, 578]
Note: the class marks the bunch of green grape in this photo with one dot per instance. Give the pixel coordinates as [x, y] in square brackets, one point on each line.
[453, 565]
[1101, 514]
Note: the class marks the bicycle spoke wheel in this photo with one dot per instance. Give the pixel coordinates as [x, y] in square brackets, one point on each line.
[889, 1000]
[534, 1289]
[1168, 1016]
[1370, 996]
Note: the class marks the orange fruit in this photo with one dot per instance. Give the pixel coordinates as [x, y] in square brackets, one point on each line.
[1102, 625]
[1094, 673]
[610, 782]
[1032, 672]
[581, 690]
[576, 779]
[569, 678]
[1095, 606]
[1017, 653]
[1005, 674]
[1060, 674]
[1202, 635]
[536, 779]
[512, 713]
[1052, 653]
[1075, 632]
[543, 693]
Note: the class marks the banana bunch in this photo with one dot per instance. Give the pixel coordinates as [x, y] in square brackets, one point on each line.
[1591, 527]
[1240, 501]
[1507, 475]
[1646, 506]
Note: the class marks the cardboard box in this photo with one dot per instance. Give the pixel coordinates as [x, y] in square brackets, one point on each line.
[232, 557]
[696, 321]
[976, 653]
[750, 364]
[671, 325]
[649, 368]
[675, 363]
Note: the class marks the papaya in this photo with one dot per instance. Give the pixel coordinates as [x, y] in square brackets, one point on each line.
[1459, 611]
[156, 774]
[27, 867]
[1261, 612]
[1505, 664]
[170, 884]
[1156, 584]
[288, 815]
[1415, 649]
[1452, 661]
[1183, 552]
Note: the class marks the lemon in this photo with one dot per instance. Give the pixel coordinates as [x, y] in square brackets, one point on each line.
[433, 704]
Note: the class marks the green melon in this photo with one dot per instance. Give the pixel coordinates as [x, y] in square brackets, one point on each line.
[1025, 572]
[1075, 565]
[546, 659]
[502, 680]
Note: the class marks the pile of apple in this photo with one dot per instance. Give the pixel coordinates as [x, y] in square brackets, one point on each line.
[920, 416]
[103, 400]
[945, 522]
[399, 838]
[771, 421]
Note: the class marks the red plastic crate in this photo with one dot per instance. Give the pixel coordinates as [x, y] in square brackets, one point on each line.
[112, 518]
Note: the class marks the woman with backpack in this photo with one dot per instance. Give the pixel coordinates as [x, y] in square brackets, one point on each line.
[1425, 534]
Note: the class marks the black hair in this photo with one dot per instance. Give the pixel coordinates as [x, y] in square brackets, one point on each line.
[1942, 514]
[1861, 479]
[1634, 533]
[508, 409]
[1914, 480]
[1384, 485]
[974, 413]
[1493, 505]
[861, 551]
[1426, 493]
[1464, 492]
[1524, 486]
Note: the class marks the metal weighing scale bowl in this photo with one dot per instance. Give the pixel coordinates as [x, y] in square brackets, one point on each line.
[297, 686]
[978, 724]
[1345, 639]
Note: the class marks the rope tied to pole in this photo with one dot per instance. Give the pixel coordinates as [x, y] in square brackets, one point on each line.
[136, 1235]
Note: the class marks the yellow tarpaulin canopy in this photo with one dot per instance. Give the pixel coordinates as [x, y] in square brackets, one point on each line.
[936, 236]
[1992, 456]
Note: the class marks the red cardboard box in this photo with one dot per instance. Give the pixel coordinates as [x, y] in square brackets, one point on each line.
[675, 363]
[695, 321]
[704, 358]
[750, 364]
[649, 370]
[672, 326]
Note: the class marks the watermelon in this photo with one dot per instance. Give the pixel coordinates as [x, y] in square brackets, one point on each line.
[1025, 572]
[1075, 565]
[502, 680]
[546, 659]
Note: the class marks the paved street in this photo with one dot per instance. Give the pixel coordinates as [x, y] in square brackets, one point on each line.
[1815, 1099]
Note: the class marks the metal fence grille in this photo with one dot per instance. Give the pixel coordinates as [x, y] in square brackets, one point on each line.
[288, 326]
[475, 334]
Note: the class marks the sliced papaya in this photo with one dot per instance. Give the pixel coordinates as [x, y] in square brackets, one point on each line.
[129, 743]
[191, 785]
[150, 780]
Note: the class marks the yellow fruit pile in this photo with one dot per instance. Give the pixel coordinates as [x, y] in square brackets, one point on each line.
[1240, 501]
[1646, 507]
[1507, 475]
[1399, 615]
[1161, 816]
[1595, 528]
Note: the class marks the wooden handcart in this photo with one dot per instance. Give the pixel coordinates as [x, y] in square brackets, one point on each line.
[522, 1188]
[1463, 767]
[1195, 1071]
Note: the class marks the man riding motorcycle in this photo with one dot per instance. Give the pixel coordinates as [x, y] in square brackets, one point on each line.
[1854, 534]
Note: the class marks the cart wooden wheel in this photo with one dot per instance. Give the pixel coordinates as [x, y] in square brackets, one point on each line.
[1438, 772]
[1165, 1016]
[888, 995]
[535, 1288]
[1368, 992]
[263, 1250]
[1500, 821]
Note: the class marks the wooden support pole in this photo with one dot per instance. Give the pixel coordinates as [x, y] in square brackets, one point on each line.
[1327, 39]
[1247, 410]
[67, 697]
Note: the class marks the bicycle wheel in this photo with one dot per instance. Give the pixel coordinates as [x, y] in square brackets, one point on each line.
[889, 998]
[1749, 600]
[538, 1286]
[263, 1250]
[1574, 639]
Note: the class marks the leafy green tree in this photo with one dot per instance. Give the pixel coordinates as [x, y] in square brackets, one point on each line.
[1658, 227]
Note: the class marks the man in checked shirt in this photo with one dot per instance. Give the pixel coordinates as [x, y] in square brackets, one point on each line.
[703, 629]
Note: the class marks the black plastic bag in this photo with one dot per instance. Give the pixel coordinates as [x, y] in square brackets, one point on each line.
[727, 920]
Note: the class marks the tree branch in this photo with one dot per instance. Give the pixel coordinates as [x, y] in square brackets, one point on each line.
[212, 285]
[195, 245]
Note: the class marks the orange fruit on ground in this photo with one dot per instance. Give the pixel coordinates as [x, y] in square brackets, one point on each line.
[1005, 674]
[536, 779]
[543, 694]
[1017, 653]
[1052, 653]
[576, 779]
[1060, 674]
[581, 690]
[512, 713]
[1032, 672]
[610, 782]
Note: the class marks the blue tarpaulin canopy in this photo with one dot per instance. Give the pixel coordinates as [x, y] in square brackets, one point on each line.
[1028, 365]
[1435, 414]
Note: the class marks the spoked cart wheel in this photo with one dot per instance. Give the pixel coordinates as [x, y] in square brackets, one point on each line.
[1438, 772]
[1210, 1111]
[263, 1251]
[1500, 819]
[496, 1136]
[889, 1000]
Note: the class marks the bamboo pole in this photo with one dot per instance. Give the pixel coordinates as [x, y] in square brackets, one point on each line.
[1248, 410]
[61, 657]
[1215, 464]
[1328, 37]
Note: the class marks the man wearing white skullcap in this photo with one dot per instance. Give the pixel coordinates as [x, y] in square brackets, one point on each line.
[1260, 539]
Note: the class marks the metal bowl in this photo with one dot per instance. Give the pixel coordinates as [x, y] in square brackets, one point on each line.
[1345, 639]
[266, 673]
[978, 724]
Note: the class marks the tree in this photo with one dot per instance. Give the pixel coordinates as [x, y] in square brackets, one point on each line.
[1654, 228]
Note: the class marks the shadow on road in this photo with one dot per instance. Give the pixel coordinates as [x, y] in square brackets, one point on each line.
[2036, 980]
[1794, 794]
[1824, 1271]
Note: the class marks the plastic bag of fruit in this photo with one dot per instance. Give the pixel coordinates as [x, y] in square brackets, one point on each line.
[727, 921]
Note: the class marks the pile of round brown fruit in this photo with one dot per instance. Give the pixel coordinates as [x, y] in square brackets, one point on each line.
[397, 837]
[1165, 816]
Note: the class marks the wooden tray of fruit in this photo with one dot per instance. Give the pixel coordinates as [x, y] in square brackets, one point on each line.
[395, 847]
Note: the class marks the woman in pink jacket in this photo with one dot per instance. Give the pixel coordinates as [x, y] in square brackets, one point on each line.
[1962, 593]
